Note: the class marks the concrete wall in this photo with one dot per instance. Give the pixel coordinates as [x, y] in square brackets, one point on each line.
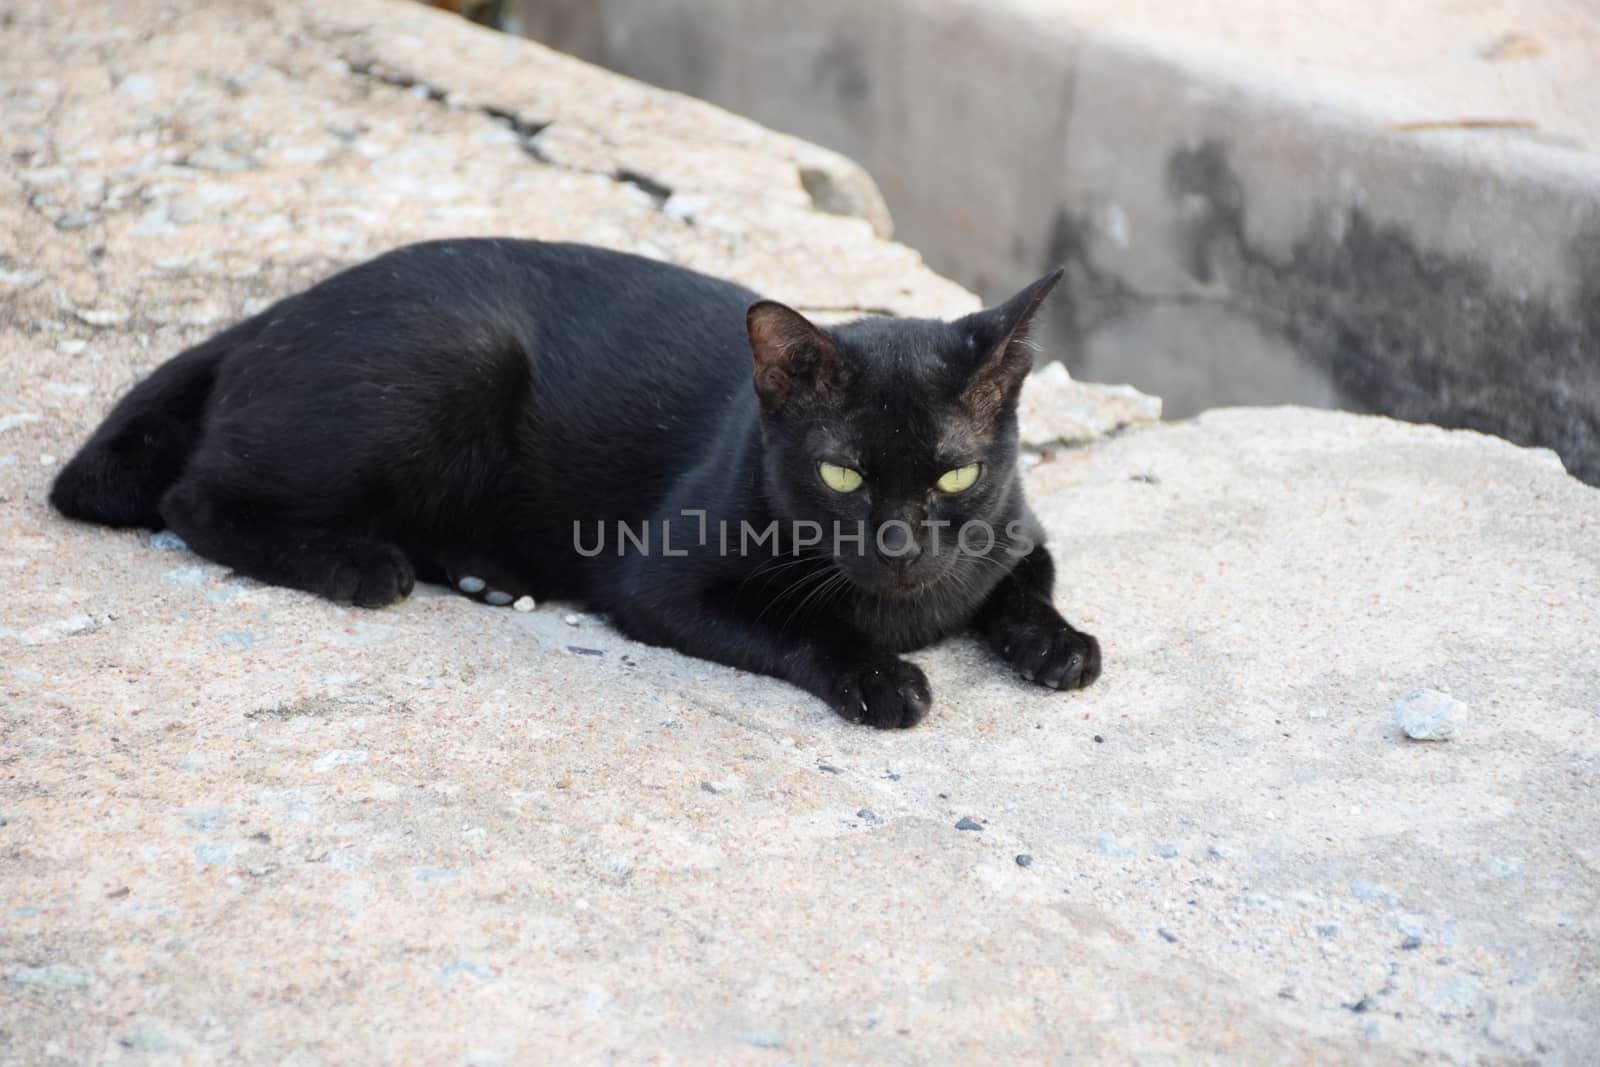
[1230, 241]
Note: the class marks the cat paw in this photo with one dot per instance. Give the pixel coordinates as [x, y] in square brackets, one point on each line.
[370, 575]
[1051, 654]
[889, 695]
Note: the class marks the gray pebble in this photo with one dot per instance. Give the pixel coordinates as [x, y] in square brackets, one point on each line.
[137, 86]
[167, 541]
[470, 584]
[1411, 944]
[1429, 715]
[763, 1040]
[1167, 852]
[1024, 860]
[867, 815]
[108, 316]
[152, 1035]
[76, 220]
[1111, 847]
[51, 976]
[969, 823]
[498, 598]
[465, 969]
[1171, 939]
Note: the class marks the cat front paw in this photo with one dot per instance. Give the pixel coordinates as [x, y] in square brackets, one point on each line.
[889, 694]
[1050, 653]
[369, 574]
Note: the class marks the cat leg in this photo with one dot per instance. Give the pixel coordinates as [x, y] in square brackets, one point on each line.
[1021, 623]
[859, 678]
[262, 542]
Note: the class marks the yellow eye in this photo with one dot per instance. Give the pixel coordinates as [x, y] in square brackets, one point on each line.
[959, 479]
[839, 479]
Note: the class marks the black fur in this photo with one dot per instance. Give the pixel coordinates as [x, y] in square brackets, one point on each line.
[483, 412]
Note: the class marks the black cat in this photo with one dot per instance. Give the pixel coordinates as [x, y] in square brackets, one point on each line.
[565, 422]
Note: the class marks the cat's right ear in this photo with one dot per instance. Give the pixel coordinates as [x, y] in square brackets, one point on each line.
[794, 359]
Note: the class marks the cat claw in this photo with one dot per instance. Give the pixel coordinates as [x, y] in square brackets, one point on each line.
[1053, 655]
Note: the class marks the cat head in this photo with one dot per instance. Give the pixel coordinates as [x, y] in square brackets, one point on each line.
[895, 435]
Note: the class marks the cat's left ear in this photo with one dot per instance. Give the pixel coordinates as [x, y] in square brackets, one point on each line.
[794, 358]
[998, 337]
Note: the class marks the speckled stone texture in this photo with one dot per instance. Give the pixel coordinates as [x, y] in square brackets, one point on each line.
[239, 825]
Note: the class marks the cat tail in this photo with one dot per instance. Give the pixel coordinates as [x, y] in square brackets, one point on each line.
[139, 451]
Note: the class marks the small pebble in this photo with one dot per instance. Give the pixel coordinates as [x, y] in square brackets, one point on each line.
[469, 584]
[1024, 860]
[76, 220]
[152, 1035]
[102, 316]
[1167, 852]
[51, 976]
[524, 604]
[498, 598]
[969, 823]
[1110, 846]
[573, 619]
[1411, 943]
[1429, 715]
[579, 650]
[167, 541]
[1167, 937]
[869, 816]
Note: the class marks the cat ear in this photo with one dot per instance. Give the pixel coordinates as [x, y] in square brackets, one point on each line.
[793, 357]
[999, 338]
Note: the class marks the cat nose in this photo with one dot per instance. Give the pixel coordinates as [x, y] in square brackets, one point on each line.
[899, 551]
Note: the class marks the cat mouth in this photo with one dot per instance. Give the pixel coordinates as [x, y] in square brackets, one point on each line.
[900, 586]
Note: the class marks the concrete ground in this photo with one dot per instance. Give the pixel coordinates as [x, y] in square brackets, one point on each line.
[241, 825]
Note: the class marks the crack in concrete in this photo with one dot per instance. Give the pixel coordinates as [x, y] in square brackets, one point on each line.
[527, 130]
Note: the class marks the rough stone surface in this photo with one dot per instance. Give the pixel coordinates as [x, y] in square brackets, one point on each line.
[249, 826]
[1056, 410]
[1382, 207]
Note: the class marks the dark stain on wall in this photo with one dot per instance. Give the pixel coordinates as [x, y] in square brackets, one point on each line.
[1399, 330]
